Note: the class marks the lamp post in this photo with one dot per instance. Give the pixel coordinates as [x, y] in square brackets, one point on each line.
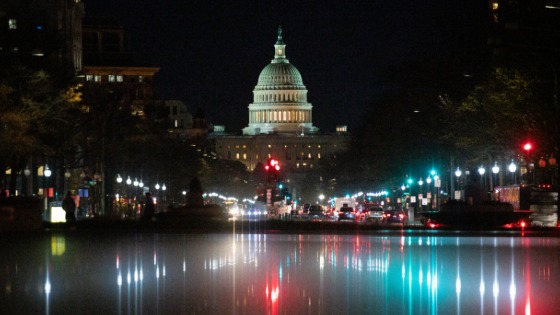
[67, 175]
[494, 178]
[46, 174]
[27, 173]
[552, 163]
[458, 174]
[512, 168]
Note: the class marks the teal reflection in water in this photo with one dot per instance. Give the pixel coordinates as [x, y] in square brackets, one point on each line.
[279, 274]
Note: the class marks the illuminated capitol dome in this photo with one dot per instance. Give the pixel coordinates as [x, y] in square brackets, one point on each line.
[280, 124]
[280, 99]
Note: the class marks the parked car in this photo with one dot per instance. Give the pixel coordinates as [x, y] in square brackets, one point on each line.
[316, 213]
[346, 213]
[394, 217]
[305, 208]
[374, 215]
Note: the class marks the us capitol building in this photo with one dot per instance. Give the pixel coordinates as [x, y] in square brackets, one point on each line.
[280, 123]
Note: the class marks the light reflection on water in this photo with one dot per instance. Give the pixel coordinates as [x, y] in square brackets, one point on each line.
[279, 274]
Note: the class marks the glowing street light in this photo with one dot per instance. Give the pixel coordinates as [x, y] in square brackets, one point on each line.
[458, 172]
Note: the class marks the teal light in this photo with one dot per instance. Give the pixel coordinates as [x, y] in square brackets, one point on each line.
[409, 181]
[432, 172]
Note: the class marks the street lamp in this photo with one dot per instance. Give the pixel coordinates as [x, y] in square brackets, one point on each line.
[321, 198]
[119, 178]
[27, 173]
[46, 174]
[512, 168]
[481, 170]
[458, 172]
[495, 168]
[67, 175]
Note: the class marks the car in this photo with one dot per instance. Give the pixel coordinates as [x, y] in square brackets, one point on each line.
[316, 213]
[374, 215]
[346, 213]
[394, 217]
[305, 208]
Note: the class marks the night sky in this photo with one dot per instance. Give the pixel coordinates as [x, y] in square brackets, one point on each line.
[212, 52]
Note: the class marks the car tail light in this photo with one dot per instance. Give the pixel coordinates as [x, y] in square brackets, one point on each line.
[401, 215]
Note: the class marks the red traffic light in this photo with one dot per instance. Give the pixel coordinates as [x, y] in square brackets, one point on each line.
[527, 146]
[272, 165]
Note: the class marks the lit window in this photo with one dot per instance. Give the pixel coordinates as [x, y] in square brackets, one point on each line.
[318, 155]
[140, 78]
[495, 5]
[237, 146]
[244, 156]
[297, 165]
[309, 155]
[244, 147]
[12, 24]
[89, 77]
[237, 156]
[111, 78]
[120, 78]
[270, 146]
[97, 78]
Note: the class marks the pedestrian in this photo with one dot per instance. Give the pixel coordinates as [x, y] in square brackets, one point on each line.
[69, 205]
[149, 208]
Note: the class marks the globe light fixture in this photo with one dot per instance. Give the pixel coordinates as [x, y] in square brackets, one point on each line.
[119, 178]
[495, 168]
[141, 184]
[47, 172]
[481, 170]
[420, 182]
[27, 171]
[128, 180]
[157, 186]
[512, 167]
[428, 180]
[163, 187]
[458, 172]
[135, 183]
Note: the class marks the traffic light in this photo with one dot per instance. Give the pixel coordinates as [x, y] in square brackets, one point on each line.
[272, 169]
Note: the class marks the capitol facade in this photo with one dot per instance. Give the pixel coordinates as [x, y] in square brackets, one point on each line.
[280, 123]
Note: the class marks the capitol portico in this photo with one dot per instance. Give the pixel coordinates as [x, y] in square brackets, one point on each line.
[280, 122]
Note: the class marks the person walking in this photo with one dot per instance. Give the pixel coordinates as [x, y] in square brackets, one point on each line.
[149, 208]
[69, 206]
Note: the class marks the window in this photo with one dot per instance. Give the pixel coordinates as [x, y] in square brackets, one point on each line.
[97, 78]
[111, 78]
[140, 78]
[237, 156]
[12, 24]
[120, 78]
[244, 156]
[89, 78]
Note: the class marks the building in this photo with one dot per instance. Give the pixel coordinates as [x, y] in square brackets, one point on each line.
[40, 32]
[108, 62]
[280, 123]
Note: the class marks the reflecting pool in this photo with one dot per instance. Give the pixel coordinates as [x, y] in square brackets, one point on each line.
[76, 273]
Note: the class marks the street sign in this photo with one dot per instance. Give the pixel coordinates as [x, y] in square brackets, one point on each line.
[437, 183]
